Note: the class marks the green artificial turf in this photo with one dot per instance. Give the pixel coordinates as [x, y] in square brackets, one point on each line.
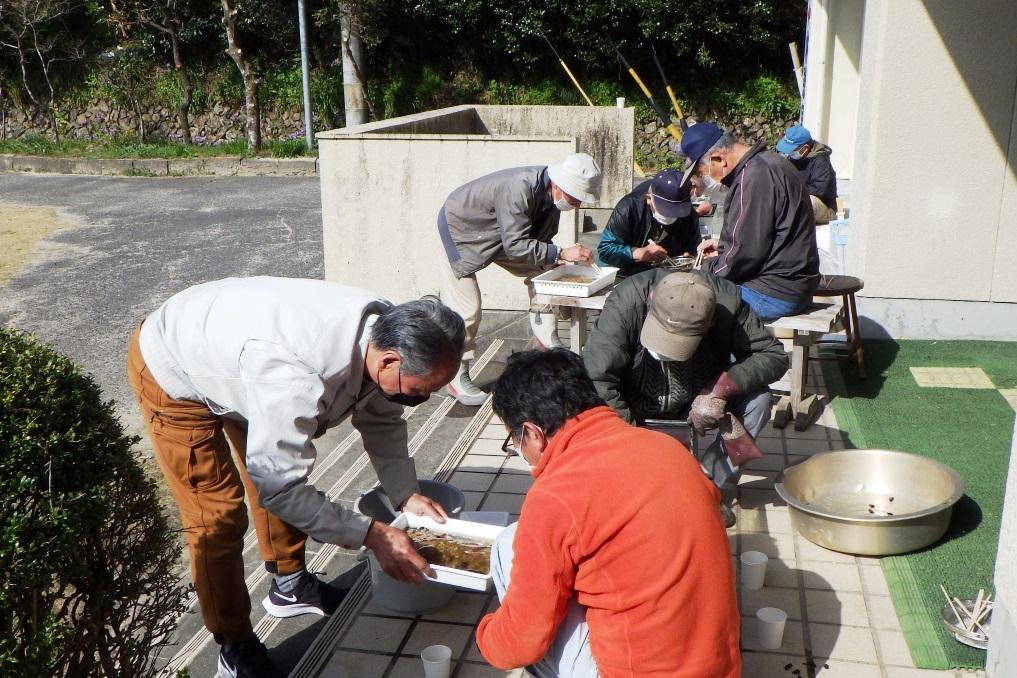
[967, 429]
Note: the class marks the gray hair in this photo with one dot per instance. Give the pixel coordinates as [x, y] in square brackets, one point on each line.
[726, 141]
[425, 333]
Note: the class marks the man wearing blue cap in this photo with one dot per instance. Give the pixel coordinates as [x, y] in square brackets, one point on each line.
[812, 160]
[767, 245]
[653, 222]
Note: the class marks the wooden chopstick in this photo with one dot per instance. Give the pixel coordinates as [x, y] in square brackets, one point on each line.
[953, 607]
[667, 260]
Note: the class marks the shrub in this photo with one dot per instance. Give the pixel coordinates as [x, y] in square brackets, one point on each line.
[87, 577]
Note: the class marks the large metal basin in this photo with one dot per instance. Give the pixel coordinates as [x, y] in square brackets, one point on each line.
[871, 502]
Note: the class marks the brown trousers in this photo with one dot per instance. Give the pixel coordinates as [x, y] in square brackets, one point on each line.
[190, 444]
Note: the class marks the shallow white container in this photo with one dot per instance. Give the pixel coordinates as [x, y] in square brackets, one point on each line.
[548, 283]
[455, 528]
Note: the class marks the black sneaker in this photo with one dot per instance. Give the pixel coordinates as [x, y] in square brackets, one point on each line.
[310, 596]
[248, 659]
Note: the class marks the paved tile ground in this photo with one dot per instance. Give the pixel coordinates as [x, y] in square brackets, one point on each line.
[841, 621]
[1011, 396]
[951, 377]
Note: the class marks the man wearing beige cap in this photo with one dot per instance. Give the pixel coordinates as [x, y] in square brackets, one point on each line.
[508, 218]
[684, 347]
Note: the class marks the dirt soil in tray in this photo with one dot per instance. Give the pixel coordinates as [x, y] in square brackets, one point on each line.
[577, 279]
[455, 552]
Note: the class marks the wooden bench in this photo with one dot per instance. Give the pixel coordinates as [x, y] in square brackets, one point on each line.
[807, 328]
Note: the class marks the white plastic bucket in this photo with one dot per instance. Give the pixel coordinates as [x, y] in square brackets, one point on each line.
[393, 594]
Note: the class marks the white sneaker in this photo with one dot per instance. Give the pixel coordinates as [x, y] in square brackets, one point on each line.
[463, 389]
[544, 326]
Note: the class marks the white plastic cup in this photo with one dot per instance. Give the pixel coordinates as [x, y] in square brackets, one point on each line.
[620, 102]
[771, 627]
[437, 661]
[753, 569]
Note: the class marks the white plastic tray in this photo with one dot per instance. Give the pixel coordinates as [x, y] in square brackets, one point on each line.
[455, 528]
[548, 283]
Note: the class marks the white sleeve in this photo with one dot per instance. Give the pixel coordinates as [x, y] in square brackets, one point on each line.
[284, 400]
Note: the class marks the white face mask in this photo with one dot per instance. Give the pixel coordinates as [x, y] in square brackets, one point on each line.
[795, 155]
[657, 356]
[563, 204]
[667, 221]
[707, 182]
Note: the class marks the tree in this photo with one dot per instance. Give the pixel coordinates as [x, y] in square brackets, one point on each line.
[38, 34]
[252, 107]
[167, 18]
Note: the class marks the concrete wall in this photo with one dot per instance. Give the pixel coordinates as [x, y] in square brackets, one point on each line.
[831, 89]
[605, 133]
[933, 193]
[1002, 658]
[383, 184]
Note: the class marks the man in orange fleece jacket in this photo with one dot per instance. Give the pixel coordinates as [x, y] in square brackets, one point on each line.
[619, 565]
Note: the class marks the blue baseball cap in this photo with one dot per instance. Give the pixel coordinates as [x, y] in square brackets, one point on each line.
[670, 196]
[696, 141]
[794, 137]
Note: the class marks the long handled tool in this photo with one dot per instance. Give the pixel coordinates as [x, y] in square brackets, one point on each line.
[664, 117]
[563, 65]
[667, 85]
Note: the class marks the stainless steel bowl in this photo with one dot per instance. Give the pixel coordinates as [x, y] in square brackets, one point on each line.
[958, 630]
[871, 502]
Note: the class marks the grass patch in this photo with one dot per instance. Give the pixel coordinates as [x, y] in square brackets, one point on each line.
[968, 429]
[32, 144]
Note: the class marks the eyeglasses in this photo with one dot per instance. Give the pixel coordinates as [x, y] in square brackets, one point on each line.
[509, 447]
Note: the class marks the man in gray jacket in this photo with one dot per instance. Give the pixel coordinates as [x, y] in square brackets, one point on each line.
[683, 346]
[270, 364]
[508, 218]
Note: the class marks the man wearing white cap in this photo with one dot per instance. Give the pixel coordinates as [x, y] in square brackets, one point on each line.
[508, 218]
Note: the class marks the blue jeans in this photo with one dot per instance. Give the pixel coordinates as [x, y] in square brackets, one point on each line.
[770, 308]
[569, 655]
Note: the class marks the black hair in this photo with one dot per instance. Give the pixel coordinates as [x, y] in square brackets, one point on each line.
[546, 388]
[425, 333]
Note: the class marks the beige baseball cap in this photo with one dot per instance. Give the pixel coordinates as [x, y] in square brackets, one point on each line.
[679, 314]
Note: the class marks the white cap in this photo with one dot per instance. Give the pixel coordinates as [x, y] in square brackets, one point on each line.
[578, 175]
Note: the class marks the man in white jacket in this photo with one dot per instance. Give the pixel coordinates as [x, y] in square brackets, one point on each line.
[270, 364]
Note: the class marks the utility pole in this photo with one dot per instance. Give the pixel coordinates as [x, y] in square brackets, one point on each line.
[305, 72]
[354, 99]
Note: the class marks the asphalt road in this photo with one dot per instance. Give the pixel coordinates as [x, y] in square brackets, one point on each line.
[140, 240]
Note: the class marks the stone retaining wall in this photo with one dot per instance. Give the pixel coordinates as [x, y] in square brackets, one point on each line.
[101, 119]
[653, 141]
[156, 167]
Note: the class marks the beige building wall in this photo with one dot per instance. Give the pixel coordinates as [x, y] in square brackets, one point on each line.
[832, 63]
[933, 194]
[933, 227]
[383, 183]
[1001, 661]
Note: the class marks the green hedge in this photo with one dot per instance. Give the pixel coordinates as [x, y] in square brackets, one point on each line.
[87, 558]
